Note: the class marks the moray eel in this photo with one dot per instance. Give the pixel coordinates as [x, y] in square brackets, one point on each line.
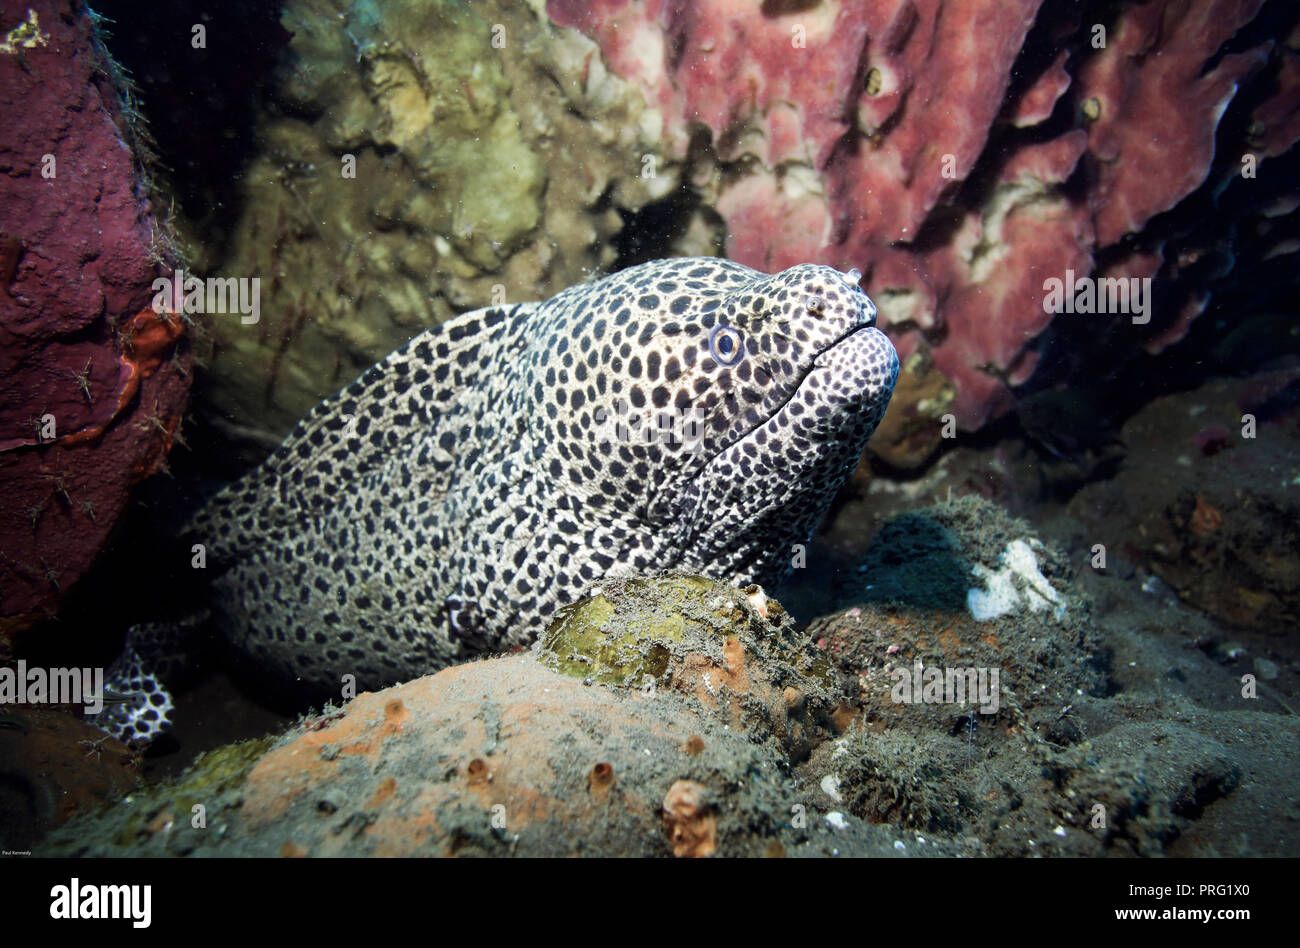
[686, 414]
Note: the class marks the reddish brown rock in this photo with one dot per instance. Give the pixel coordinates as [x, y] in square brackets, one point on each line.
[93, 383]
[52, 766]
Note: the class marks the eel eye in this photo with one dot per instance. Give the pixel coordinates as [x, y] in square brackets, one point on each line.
[725, 345]
[815, 305]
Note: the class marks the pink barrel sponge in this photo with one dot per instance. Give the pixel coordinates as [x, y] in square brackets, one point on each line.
[850, 132]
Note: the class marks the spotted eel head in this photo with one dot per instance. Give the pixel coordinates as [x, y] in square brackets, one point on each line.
[747, 398]
[788, 431]
[799, 345]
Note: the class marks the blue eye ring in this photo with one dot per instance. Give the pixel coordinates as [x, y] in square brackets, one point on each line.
[726, 345]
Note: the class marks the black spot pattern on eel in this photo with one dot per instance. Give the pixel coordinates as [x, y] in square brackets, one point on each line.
[440, 507]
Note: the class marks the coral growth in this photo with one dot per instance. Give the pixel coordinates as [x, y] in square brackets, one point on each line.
[697, 638]
[433, 157]
[692, 829]
[958, 153]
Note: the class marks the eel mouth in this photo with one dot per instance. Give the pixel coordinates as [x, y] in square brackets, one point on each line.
[819, 361]
[688, 502]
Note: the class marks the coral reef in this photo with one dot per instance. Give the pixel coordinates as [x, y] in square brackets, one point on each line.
[421, 159]
[1158, 54]
[1119, 684]
[958, 153]
[94, 382]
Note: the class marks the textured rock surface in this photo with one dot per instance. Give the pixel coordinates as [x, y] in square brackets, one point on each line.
[511, 757]
[706, 758]
[52, 766]
[1064, 766]
[500, 757]
[93, 383]
[921, 595]
[493, 155]
[734, 657]
[1221, 530]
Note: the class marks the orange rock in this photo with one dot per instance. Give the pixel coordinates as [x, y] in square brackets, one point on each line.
[383, 793]
[493, 757]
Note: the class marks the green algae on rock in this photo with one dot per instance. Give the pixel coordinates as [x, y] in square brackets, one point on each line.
[584, 641]
[626, 631]
[158, 817]
[733, 652]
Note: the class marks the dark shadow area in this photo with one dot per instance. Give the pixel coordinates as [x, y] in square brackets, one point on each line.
[913, 562]
[649, 234]
[200, 104]
[775, 8]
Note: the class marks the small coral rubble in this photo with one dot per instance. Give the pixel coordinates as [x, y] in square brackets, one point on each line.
[691, 828]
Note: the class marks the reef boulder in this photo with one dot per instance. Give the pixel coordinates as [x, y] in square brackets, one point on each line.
[93, 382]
